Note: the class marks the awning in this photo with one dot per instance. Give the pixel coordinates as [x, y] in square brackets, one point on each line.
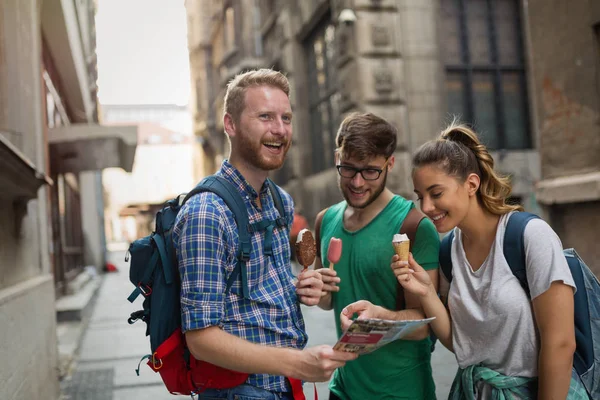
[91, 147]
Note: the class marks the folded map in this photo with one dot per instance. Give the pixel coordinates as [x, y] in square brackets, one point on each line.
[366, 335]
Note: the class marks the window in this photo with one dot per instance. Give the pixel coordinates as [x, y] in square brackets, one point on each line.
[485, 70]
[324, 99]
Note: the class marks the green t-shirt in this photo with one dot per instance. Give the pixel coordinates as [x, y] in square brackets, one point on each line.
[401, 369]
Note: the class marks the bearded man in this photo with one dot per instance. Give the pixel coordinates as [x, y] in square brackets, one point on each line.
[366, 222]
[262, 334]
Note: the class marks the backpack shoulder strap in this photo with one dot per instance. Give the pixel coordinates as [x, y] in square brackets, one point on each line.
[230, 195]
[446, 256]
[318, 223]
[409, 228]
[411, 224]
[278, 201]
[268, 225]
[514, 246]
[161, 245]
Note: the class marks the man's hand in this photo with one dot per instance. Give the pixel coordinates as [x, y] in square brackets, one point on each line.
[364, 309]
[319, 362]
[315, 364]
[309, 287]
[330, 280]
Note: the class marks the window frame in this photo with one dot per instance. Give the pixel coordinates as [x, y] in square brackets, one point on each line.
[317, 98]
[495, 68]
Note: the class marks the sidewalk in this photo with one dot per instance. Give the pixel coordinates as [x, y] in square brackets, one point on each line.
[110, 349]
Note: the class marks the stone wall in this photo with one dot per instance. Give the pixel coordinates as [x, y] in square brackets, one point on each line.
[565, 54]
[577, 224]
[28, 337]
[27, 310]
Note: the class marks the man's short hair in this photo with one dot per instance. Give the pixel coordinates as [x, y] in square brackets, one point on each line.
[364, 136]
[236, 88]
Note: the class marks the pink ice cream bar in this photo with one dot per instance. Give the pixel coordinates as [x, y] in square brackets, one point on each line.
[334, 252]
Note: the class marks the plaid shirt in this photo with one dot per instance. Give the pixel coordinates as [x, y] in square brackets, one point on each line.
[206, 238]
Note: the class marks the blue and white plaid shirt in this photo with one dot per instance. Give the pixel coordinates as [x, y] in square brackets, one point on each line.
[206, 238]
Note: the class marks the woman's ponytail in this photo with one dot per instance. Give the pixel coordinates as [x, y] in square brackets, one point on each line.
[459, 152]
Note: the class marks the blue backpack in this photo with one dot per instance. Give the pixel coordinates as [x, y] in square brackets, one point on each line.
[154, 273]
[586, 360]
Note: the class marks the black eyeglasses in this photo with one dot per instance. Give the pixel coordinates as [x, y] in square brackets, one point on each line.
[368, 174]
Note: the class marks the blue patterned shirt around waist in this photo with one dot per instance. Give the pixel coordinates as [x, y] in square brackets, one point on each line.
[206, 238]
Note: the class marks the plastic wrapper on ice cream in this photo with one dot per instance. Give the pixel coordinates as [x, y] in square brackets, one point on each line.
[401, 244]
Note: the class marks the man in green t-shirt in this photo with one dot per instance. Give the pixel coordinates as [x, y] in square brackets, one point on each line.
[366, 222]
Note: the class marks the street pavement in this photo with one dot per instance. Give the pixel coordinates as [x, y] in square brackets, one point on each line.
[104, 368]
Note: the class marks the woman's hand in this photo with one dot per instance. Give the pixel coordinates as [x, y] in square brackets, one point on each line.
[412, 276]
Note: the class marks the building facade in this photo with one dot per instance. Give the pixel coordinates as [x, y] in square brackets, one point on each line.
[51, 148]
[565, 58]
[28, 337]
[415, 63]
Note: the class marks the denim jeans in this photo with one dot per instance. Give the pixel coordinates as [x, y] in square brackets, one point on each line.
[244, 392]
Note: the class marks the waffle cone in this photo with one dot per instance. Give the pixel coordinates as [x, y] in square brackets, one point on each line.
[402, 249]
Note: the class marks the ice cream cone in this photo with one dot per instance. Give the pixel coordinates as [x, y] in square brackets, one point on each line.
[402, 249]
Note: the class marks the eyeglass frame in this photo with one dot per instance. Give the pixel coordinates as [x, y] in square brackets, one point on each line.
[360, 170]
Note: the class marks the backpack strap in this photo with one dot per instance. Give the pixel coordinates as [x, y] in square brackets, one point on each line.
[411, 224]
[283, 219]
[164, 258]
[409, 228]
[318, 223]
[446, 256]
[269, 225]
[514, 246]
[230, 195]
[144, 286]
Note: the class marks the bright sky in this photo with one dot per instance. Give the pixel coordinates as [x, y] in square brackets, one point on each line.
[142, 52]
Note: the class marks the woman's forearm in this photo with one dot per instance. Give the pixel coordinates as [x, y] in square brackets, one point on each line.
[407, 314]
[441, 325]
[554, 371]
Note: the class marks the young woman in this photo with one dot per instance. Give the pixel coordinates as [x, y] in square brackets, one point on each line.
[507, 344]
